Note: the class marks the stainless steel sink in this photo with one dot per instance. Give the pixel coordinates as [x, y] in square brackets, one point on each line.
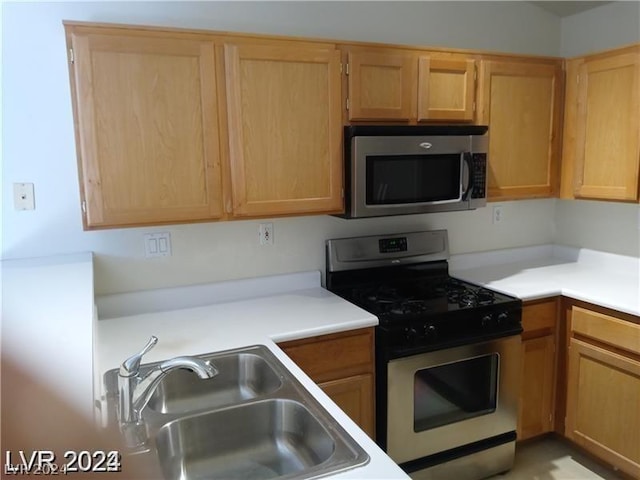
[262, 440]
[253, 420]
[241, 377]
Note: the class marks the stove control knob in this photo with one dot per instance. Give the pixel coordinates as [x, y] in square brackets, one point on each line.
[503, 319]
[430, 332]
[488, 321]
[410, 334]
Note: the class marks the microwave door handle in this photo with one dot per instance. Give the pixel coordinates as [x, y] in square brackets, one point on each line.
[466, 160]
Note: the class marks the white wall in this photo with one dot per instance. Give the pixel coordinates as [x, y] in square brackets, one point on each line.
[604, 226]
[38, 143]
[609, 226]
[609, 26]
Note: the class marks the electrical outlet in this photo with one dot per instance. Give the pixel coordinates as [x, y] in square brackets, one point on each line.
[157, 244]
[498, 216]
[23, 197]
[265, 233]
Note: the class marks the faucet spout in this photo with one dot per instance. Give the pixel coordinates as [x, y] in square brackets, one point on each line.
[204, 369]
[136, 391]
[146, 385]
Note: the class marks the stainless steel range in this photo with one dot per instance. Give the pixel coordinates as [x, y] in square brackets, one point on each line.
[447, 355]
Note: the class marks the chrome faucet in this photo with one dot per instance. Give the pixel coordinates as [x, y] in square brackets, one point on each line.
[135, 391]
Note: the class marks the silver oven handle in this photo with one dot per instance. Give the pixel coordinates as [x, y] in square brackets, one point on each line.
[466, 156]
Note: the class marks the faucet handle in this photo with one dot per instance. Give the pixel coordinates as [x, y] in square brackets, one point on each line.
[131, 365]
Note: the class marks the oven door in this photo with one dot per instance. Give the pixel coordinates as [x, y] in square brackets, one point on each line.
[453, 397]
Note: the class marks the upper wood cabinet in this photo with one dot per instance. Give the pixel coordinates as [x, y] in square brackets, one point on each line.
[409, 86]
[146, 127]
[285, 129]
[178, 126]
[382, 85]
[446, 89]
[602, 127]
[520, 101]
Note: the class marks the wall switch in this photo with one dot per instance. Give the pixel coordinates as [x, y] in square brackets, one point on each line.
[23, 197]
[265, 233]
[157, 244]
[498, 216]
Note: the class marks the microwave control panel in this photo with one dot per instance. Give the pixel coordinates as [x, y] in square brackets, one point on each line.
[479, 162]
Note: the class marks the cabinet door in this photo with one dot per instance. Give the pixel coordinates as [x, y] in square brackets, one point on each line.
[354, 395]
[538, 368]
[520, 103]
[603, 399]
[446, 89]
[285, 129]
[146, 127]
[382, 85]
[608, 128]
[536, 387]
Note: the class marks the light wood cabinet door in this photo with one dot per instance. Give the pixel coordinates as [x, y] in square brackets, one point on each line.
[520, 103]
[607, 127]
[146, 126]
[354, 396]
[285, 129]
[382, 85]
[538, 368]
[446, 89]
[603, 399]
[536, 387]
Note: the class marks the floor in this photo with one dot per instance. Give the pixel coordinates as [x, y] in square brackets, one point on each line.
[552, 459]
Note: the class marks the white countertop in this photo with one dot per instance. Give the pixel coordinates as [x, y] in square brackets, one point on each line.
[276, 317]
[530, 273]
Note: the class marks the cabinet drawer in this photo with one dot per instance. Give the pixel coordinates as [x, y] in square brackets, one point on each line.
[539, 317]
[606, 329]
[330, 357]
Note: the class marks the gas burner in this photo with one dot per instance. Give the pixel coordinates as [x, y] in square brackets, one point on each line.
[466, 296]
[409, 307]
[485, 297]
[467, 299]
[381, 295]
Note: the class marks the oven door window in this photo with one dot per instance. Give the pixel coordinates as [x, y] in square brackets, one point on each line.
[456, 391]
[406, 179]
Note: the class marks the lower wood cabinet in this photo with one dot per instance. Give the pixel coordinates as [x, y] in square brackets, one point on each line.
[354, 395]
[603, 391]
[342, 364]
[538, 367]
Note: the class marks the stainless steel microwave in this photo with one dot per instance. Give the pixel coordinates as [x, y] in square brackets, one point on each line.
[399, 170]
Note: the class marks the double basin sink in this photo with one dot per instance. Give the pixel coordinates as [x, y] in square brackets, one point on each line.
[253, 420]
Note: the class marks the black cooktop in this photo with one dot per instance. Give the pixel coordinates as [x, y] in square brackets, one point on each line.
[404, 280]
[399, 301]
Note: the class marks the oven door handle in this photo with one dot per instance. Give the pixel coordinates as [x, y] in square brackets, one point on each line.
[466, 159]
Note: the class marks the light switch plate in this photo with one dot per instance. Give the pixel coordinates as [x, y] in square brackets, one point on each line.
[265, 233]
[23, 196]
[157, 244]
[498, 215]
